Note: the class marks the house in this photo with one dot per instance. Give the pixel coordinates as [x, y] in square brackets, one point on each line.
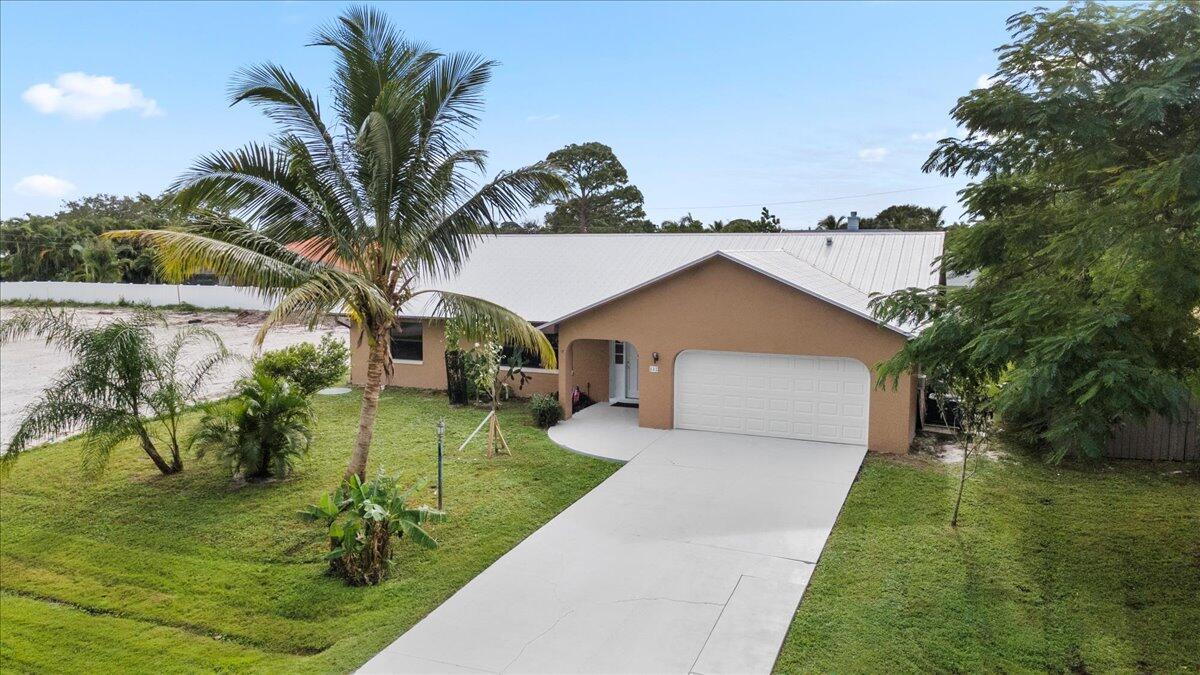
[766, 334]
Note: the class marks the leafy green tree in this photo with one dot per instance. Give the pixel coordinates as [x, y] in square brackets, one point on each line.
[121, 379]
[765, 223]
[1086, 205]
[909, 218]
[308, 367]
[65, 247]
[684, 224]
[599, 196]
[262, 431]
[97, 260]
[371, 206]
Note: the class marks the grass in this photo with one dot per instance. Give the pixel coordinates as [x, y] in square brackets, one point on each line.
[144, 573]
[18, 303]
[1069, 568]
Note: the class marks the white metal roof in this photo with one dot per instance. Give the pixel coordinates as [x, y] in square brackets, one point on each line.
[780, 266]
[546, 276]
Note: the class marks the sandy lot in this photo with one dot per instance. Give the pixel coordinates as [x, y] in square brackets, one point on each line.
[28, 366]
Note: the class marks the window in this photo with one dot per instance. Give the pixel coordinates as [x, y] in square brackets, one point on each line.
[618, 352]
[529, 359]
[407, 343]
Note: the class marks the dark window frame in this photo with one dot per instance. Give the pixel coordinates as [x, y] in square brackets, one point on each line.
[407, 341]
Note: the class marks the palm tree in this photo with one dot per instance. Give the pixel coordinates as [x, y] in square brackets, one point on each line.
[374, 206]
[832, 222]
[261, 432]
[120, 379]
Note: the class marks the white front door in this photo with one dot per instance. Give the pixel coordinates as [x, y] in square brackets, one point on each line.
[813, 398]
[623, 371]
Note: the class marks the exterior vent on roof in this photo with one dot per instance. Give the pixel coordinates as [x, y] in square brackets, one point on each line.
[852, 221]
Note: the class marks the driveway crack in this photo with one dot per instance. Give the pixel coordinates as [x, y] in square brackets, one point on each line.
[537, 637]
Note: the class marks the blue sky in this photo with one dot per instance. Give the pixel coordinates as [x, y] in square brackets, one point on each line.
[715, 109]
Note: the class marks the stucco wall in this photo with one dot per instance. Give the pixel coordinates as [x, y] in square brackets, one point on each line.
[720, 305]
[431, 372]
[589, 364]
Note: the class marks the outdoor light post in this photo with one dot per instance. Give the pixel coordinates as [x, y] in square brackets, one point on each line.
[441, 435]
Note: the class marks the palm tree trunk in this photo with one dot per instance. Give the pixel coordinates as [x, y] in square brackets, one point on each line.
[149, 449]
[370, 406]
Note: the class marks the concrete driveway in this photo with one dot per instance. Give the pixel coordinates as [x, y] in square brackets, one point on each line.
[692, 558]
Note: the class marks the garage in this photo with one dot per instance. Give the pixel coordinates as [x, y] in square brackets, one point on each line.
[812, 398]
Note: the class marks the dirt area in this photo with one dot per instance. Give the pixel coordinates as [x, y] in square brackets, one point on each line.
[28, 366]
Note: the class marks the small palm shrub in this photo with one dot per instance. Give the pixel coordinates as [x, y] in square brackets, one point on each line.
[307, 366]
[546, 410]
[122, 383]
[260, 433]
[361, 521]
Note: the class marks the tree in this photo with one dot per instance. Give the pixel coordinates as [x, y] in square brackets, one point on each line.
[1085, 206]
[832, 222]
[65, 247]
[909, 218]
[766, 223]
[119, 381]
[684, 224]
[599, 196]
[262, 431]
[372, 205]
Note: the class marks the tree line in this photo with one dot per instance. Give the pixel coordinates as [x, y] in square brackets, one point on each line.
[67, 246]
[600, 198]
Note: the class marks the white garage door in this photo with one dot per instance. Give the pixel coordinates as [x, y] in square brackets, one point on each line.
[806, 397]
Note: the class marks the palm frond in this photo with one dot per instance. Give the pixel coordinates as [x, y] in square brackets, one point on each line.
[323, 292]
[442, 248]
[284, 100]
[179, 255]
[480, 317]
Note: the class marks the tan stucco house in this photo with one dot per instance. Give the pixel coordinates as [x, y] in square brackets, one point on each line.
[765, 334]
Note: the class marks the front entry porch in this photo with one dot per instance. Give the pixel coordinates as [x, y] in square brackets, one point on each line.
[604, 371]
[606, 431]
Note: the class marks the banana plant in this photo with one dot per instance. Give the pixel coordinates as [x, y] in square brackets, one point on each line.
[362, 518]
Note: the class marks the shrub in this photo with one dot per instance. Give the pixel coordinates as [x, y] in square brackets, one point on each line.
[308, 367]
[546, 410]
[262, 432]
[120, 378]
[361, 519]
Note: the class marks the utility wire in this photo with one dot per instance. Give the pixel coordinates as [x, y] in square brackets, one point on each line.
[797, 201]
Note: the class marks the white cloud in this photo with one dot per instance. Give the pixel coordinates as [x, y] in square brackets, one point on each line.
[541, 118]
[41, 185]
[928, 135]
[83, 96]
[872, 154]
[984, 81]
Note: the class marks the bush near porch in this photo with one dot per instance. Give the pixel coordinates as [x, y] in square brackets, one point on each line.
[193, 572]
[1052, 568]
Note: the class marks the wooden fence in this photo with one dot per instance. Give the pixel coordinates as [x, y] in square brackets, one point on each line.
[1158, 439]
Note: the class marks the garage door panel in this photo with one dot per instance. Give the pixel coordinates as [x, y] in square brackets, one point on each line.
[804, 397]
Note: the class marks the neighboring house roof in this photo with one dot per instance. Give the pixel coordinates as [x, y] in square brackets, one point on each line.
[780, 266]
[543, 276]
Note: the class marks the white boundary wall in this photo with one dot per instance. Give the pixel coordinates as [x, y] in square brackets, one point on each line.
[212, 297]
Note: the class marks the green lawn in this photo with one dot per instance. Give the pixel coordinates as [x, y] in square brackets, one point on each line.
[1083, 569]
[143, 573]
